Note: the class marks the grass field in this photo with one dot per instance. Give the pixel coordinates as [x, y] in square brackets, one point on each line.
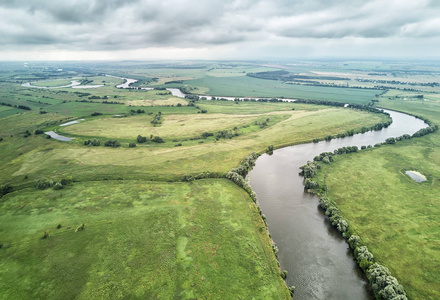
[173, 126]
[146, 236]
[201, 240]
[57, 159]
[397, 218]
[52, 83]
[244, 86]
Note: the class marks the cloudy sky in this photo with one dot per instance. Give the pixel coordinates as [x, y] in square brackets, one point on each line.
[219, 29]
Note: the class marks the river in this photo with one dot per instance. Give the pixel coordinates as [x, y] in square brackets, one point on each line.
[318, 260]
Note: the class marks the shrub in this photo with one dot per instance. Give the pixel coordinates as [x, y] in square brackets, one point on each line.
[354, 241]
[284, 274]
[269, 149]
[141, 139]
[384, 285]
[58, 186]
[157, 139]
[5, 189]
[112, 143]
[132, 145]
[44, 183]
[39, 131]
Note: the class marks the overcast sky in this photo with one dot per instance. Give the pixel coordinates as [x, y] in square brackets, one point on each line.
[219, 29]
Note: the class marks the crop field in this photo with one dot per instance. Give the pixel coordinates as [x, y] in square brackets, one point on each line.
[397, 218]
[166, 240]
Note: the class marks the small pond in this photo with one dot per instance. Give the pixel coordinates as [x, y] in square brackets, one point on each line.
[416, 176]
[58, 137]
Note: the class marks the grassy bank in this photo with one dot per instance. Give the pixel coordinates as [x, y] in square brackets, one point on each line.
[396, 217]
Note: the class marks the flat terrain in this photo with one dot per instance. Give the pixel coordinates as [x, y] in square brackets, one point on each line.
[396, 217]
[172, 125]
[149, 235]
[244, 86]
[57, 159]
[141, 240]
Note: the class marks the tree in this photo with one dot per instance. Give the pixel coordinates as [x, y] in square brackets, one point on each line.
[141, 139]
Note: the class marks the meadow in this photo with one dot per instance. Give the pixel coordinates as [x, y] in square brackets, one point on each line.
[147, 234]
[245, 86]
[58, 159]
[141, 240]
[396, 217]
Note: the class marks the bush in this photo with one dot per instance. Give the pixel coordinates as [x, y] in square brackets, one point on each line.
[354, 241]
[95, 142]
[141, 139]
[269, 149]
[96, 114]
[39, 131]
[44, 183]
[384, 285]
[58, 186]
[132, 145]
[157, 139]
[5, 189]
[112, 143]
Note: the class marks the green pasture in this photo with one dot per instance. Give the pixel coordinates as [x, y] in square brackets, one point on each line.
[173, 126]
[52, 83]
[82, 109]
[196, 240]
[57, 159]
[245, 86]
[397, 218]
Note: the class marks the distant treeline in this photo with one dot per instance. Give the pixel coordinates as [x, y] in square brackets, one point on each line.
[24, 107]
[287, 76]
[432, 84]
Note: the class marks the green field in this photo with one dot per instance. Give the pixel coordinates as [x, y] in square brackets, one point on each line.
[244, 86]
[149, 235]
[397, 218]
[200, 240]
[53, 83]
[173, 126]
[57, 159]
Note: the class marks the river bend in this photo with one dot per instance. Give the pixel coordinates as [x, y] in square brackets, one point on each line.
[317, 258]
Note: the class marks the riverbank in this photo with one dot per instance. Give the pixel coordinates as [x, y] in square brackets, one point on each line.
[305, 239]
[401, 217]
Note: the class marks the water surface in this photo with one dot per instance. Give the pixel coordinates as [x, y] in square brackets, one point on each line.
[318, 260]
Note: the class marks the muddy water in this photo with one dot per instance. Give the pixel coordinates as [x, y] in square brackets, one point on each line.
[317, 258]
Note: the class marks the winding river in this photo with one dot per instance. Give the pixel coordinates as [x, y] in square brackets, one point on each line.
[318, 260]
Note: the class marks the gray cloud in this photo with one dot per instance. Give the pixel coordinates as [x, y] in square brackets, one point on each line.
[108, 25]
